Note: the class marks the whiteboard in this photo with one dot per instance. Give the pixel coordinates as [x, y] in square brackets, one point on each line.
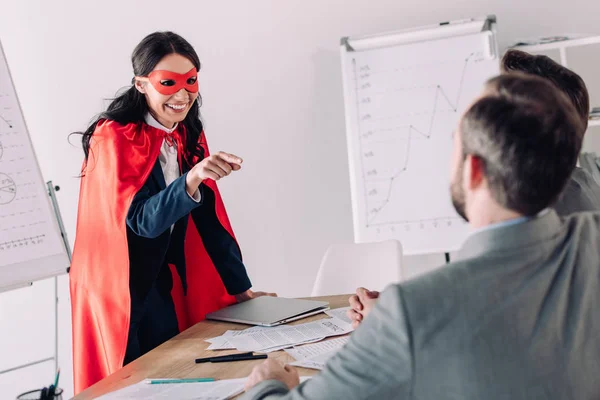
[31, 245]
[403, 103]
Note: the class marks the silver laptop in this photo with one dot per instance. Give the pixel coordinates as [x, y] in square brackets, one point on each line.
[269, 311]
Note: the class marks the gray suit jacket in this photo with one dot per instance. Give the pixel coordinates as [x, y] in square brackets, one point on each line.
[517, 318]
[582, 193]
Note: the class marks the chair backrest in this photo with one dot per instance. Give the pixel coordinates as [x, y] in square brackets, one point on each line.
[347, 266]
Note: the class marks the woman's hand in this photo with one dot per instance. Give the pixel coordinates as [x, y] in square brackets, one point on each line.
[249, 295]
[214, 167]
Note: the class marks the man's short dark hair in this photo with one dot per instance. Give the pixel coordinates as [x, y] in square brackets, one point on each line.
[566, 80]
[528, 135]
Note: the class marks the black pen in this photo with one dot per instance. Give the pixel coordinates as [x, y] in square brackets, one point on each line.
[210, 359]
[239, 358]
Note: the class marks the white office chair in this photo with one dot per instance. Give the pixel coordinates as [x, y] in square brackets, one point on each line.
[347, 266]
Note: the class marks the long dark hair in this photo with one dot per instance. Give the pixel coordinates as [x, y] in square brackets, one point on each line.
[131, 106]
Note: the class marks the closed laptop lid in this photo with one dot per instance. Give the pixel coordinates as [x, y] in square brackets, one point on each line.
[266, 310]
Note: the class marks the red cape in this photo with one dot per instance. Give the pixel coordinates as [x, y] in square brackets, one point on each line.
[121, 159]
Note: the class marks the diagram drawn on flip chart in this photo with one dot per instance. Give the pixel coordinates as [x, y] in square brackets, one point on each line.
[403, 104]
[31, 245]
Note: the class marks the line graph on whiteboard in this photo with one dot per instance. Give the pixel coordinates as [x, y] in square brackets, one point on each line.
[405, 110]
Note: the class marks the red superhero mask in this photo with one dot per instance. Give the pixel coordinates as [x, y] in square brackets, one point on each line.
[169, 83]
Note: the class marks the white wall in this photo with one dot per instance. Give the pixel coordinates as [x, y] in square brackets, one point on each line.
[272, 93]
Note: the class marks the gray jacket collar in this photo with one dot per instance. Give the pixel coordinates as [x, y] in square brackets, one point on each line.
[511, 237]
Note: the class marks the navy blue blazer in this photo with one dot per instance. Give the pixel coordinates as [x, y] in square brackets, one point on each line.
[154, 209]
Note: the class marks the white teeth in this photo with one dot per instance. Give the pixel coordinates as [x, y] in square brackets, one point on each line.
[177, 107]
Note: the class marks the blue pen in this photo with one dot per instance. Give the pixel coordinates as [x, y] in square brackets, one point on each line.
[56, 379]
[186, 380]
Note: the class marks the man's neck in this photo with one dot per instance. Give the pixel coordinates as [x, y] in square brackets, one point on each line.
[483, 215]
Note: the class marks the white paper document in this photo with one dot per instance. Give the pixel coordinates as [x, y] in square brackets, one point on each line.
[339, 313]
[233, 333]
[218, 390]
[317, 349]
[286, 336]
[222, 342]
[285, 346]
[315, 356]
[313, 363]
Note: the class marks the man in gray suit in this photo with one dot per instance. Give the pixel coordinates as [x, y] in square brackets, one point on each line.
[517, 317]
[582, 192]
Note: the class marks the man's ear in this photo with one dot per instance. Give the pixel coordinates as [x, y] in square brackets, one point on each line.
[474, 172]
[140, 86]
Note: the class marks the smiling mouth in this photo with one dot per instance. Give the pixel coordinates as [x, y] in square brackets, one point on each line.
[177, 107]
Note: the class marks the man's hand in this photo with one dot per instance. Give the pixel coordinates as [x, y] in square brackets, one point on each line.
[249, 295]
[361, 305]
[272, 369]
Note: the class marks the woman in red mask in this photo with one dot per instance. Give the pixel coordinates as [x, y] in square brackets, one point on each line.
[154, 250]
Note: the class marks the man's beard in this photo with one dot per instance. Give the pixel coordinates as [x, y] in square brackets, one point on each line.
[457, 194]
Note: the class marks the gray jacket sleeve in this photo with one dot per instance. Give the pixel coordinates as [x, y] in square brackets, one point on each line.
[377, 362]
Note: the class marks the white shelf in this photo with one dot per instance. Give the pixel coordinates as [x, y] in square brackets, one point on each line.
[580, 41]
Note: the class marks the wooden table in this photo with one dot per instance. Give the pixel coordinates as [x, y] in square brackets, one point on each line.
[175, 358]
